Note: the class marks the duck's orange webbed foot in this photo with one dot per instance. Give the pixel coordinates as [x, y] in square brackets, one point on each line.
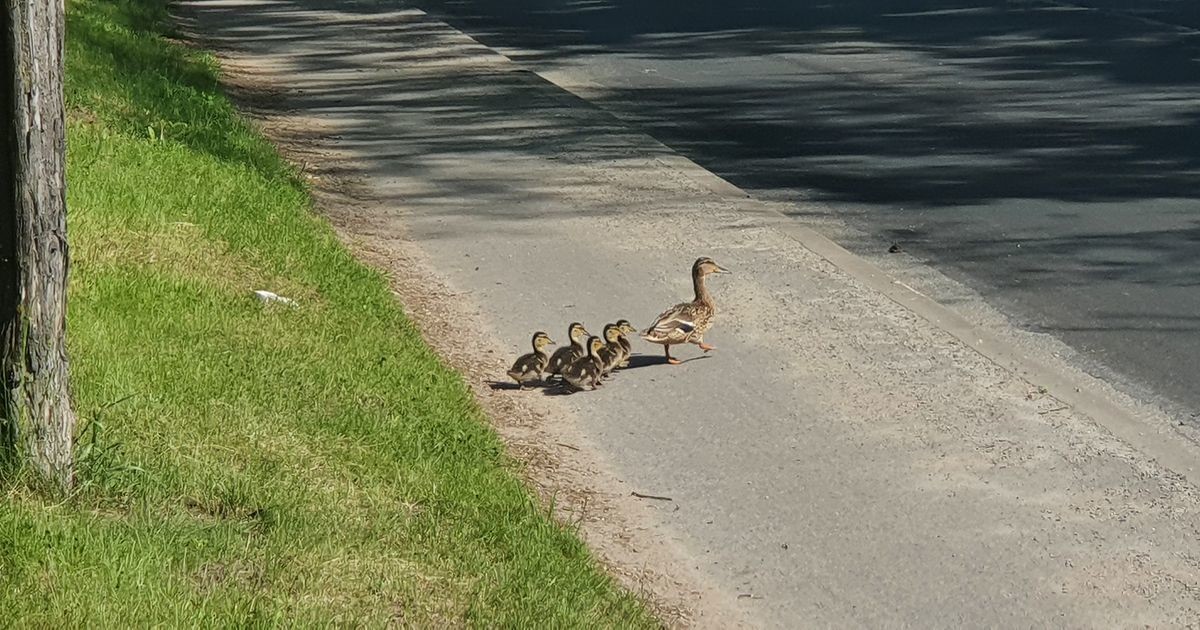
[705, 347]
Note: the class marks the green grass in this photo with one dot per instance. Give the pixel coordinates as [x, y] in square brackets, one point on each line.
[242, 465]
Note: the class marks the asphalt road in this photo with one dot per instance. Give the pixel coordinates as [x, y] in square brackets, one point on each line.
[1046, 154]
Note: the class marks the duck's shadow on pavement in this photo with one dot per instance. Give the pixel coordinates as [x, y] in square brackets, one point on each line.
[648, 360]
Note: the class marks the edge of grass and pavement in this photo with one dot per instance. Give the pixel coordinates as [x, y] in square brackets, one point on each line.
[244, 462]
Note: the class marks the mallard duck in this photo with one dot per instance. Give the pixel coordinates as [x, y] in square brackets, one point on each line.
[584, 372]
[529, 367]
[687, 322]
[626, 328]
[576, 347]
[610, 354]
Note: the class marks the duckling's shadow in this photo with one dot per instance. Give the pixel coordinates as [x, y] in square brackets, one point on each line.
[555, 389]
[549, 388]
[509, 385]
[647, 360]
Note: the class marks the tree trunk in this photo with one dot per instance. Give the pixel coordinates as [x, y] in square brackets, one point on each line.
[37, 424]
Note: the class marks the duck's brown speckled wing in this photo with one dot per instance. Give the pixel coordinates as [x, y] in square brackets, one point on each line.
[679, 324]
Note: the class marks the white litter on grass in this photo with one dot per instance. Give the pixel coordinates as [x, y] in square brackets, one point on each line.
[266, 297]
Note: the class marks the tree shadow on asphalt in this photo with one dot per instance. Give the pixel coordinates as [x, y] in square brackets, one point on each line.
[938, 105]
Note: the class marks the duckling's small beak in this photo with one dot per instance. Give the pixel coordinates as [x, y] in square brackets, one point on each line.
[549, 340]
[721, 269]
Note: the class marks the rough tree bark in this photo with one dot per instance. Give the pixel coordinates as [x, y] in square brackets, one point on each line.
[37, 423]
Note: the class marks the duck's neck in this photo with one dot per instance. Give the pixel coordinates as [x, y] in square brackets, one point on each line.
[581, 344]
[702, 295]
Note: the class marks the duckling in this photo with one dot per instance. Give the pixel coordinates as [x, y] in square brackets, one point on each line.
[626, 328]
[585, 371]
[610, 354]
[576, 339]
[687, 322]
[529, 367]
